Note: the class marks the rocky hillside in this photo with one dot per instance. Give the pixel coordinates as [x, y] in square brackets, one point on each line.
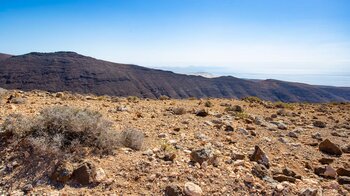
[69, 71]
[171, 147]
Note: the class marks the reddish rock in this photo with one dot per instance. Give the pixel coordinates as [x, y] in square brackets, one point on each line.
[260, 157]
[330, 148]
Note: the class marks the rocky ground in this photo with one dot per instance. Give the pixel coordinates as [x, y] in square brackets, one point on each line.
[192, 147]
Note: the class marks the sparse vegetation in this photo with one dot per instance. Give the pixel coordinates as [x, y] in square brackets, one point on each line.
[208, 104]
[235, 108]
[133, 99]
[280, 104]
[166, 147]
[104, 98]
[192, 98]
[163, 97]
[241, 115]
[62, 129]
[178, 111]
[15, 125]
[252, 99]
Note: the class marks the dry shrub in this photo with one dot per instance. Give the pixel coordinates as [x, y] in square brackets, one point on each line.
[63, 129]
[132, 138]
[252, 99]
[163, 97]
[133, 99]
[280, 104]
[192, 98]
[18, 100]
[178, 111]
[208, 104]
[15, 125]
[235, 108]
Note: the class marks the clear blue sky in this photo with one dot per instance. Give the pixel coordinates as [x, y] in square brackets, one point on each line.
[222, 36]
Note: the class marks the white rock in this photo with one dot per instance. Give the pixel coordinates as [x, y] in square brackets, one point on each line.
[192, 189]
[100, 175]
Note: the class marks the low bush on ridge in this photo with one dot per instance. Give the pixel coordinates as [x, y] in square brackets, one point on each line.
[64, 130]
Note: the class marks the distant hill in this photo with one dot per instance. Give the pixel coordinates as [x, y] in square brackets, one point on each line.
[69, 71]
[4, 56]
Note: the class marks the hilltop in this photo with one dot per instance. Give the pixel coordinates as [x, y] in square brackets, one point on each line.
[69, 71]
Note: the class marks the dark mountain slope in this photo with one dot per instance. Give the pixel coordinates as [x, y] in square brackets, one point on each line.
[4, 56]
[69, 71]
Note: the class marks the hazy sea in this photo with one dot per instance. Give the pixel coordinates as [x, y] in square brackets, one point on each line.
[315, 79]
[334, 79]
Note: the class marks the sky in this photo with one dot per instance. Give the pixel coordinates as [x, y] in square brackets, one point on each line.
[295, 40]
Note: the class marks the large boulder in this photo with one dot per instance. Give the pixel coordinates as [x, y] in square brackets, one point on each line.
[330, 148]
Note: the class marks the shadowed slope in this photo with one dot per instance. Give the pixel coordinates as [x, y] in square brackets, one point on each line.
[69, 71]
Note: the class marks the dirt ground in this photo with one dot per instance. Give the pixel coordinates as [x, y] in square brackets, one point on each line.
[228, 129]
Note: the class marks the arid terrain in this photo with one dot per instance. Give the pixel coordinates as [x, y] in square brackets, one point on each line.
[190, 147]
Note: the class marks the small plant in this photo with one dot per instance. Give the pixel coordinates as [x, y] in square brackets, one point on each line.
[178, 111]
[280, 104]
[133, 99]
[18, 100]
[166, 147]
[132, 138]
[104, 98]
[208, 104]
[235, 108]
[163, 97]
[252, 99]
[241, 115]
[192, 98]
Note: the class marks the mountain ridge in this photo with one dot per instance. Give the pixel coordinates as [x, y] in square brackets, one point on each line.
[70, 71]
